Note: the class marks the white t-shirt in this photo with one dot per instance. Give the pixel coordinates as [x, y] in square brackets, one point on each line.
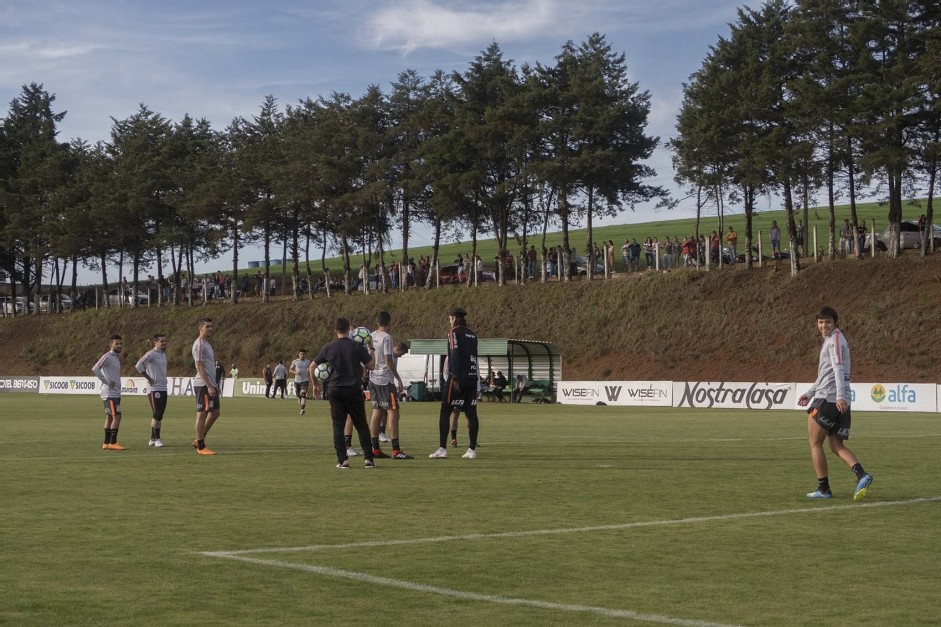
[382, 347]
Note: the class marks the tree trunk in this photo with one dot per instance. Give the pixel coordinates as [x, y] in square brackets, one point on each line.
[433, 275]
[792, 228]
[265, 292]
[295, 260]
[749, 194]
[405, 233]
[310, 276]
[590, 250]
[854, 219]
[564, 254]
[234, 288]
[323, 264]
[104, 282]
[345, 252]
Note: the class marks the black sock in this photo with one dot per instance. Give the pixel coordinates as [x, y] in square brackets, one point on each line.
[107, 436]
[349, 440]
[114, 436]
[155, 433]
[454, 434]
[375, 443]
[395, 444]
[824, 485]
[200, 444]
[858, 471]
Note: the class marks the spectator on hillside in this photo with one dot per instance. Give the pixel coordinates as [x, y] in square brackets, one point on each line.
[774, 233]
[648, 252]
[716, 244]
[626, 255]
[234, 372]
[861, 229]
[844, 236]
[922, 229]
[634, 249]
[799, 240]
[573, 263]
[553, 262]
[272, 286]
[731, 238]
[667, 262]
[609, 251]
[531, 262]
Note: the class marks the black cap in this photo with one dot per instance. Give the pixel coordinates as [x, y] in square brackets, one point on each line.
[457, 312]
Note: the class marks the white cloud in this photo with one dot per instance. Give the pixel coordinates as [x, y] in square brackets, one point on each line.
[412, 24]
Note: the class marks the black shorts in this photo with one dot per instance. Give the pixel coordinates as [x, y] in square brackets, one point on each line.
[204, 402]
[158, 403]
[829, 417]
[300, 388]
[112, 406]
[384, 395]
[461, 398]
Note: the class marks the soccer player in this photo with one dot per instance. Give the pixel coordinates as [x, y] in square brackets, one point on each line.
[463, 377]
[385, 385]
[345, 391]
[300, 369]
[829, 410]
[208, 401]
[108, 371]
[153, 365]
[268, 375]
[280, 380]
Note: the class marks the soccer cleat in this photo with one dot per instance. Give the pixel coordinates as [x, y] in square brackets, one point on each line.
[862, 488]
[817, 494]
[114, 446]
[384, 438]
[104, 446]
[302, 411]
[441, 453]
[470, 454]
[400, 454]
[352, 452]
[158, 443]
[344, 465]
[151, 443]
[369, 464]
[454, 442]
[379, 454]
[205, 451]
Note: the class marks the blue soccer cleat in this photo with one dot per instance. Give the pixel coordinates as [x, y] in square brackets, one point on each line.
[862, 488]
[817, 494]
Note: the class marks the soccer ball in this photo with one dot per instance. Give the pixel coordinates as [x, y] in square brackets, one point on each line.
[361, 335]
[323, 371]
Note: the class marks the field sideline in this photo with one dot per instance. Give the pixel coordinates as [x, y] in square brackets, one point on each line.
[600, 515]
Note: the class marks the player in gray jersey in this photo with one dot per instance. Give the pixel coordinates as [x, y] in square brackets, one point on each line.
[828, 414]
[153, 365]
[300, 368]
[385, 385]
[108, 371]
[280, 380]
[204, 383]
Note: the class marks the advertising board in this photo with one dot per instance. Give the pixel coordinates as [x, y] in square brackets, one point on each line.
[737, 395]
[19, 385]
[894, 396]
[624, 393]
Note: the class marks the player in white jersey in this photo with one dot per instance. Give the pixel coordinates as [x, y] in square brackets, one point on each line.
[385, 385]
[204, 383]
[300, 369]
[828, 416]
[108, 371]
[153, 365]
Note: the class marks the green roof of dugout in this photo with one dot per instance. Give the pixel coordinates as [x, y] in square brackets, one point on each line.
[538, 360]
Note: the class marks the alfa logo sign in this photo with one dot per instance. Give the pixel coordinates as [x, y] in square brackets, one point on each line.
[878, 393]
[894, 397]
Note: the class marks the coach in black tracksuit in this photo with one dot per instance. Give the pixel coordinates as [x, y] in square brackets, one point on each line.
[461, 380]
[345, 389]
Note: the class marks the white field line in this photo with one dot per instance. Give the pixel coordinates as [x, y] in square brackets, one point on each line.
[554, 532]
[467, 596]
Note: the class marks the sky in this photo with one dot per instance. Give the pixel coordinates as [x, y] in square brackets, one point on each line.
[218, 60]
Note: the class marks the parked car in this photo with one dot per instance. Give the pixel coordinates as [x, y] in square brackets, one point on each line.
[19, 305]
[449, 275]
[116, 299]
[581, 264]
[65, 303]
[909, 236]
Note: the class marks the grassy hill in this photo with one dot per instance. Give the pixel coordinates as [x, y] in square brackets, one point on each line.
[684, 325]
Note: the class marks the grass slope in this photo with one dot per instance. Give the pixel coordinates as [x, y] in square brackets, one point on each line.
[685, 325]
[91, 536]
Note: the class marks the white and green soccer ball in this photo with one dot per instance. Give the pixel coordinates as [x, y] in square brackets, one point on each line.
[323, 371]
[361, 335]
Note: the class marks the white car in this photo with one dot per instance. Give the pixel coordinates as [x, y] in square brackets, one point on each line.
[116, 299]
[65, 303]
[909, 236]
[18, 305]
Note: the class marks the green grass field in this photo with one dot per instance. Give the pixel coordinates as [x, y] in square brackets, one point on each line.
[595, 515]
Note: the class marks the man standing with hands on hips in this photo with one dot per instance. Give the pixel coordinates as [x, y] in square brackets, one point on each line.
[461, 379]
[108, 371]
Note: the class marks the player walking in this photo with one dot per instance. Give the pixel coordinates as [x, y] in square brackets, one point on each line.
[208, 401]
[153, 365]
[108, 371]
[829, 411]
[280, 380]
[300, 368]
[461, 382]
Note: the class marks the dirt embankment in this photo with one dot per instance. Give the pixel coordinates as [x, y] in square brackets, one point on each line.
[685, 325]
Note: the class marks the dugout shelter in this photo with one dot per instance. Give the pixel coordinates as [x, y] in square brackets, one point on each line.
[539, 361]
